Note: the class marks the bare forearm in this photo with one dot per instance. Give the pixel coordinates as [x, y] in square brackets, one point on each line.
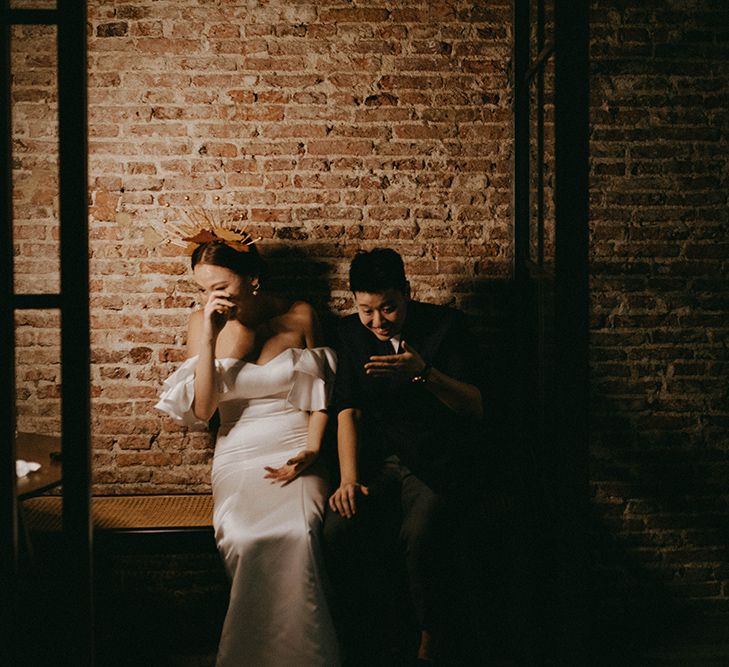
[347, 445]
[315, 432]
[205, 402]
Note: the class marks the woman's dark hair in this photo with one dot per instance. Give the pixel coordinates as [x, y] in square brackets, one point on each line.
[219, 253]
[377, 271]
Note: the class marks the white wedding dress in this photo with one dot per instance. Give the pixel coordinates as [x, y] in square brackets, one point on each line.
[268, 535]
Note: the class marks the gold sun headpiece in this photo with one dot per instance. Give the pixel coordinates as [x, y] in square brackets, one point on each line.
[202, 227]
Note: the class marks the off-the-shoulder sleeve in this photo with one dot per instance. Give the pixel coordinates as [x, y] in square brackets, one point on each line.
[179, 391]
[314, 372]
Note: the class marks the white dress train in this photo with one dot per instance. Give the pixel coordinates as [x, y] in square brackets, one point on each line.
[268, 535]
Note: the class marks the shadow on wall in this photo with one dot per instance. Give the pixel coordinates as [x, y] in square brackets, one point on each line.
[294, 274]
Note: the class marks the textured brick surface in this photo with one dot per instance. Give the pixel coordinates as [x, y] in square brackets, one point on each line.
[659, 264]
[325, 127]
[331, 126]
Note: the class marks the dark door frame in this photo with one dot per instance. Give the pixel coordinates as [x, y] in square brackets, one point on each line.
[73, 303]
[554, 293]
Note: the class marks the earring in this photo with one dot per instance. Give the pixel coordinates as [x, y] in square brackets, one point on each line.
[256, 289]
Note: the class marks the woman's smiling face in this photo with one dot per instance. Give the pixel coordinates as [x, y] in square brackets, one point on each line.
[217, 278]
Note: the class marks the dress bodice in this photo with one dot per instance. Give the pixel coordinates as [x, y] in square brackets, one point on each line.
[300, 379]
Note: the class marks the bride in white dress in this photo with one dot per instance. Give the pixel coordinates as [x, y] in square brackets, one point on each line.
[256, 359]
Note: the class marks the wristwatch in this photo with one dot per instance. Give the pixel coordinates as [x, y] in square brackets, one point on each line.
[421, 377]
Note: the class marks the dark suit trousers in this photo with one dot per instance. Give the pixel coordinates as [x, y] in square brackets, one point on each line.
[396, 534]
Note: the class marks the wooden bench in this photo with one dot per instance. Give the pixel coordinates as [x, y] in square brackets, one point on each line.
[139, 523]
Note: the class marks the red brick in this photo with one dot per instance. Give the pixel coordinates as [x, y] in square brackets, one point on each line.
[354, 15]
[339, 147]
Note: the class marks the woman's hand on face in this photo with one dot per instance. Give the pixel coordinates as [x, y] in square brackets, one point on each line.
[406, 365]
[218, 310]
[292, 468]
[344, 499]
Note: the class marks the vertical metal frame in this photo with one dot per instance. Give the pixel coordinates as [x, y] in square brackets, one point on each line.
[76, 560]
[520, 201]
[571, 302]
[563, 402]
[571, 297]
[572, 218]
[8, 501]
[75, 355]
[540, 137]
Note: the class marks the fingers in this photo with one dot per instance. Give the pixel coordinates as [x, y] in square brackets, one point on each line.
[272, 473]
[408, 349]
[291, 469]
[218, 294]
[406, 354]
[220, 298]
[383, 371]
[338, 504]
[380, 365]
[221, 306]
[405, 364]
[386, 358]
[219, 302]
[344, 499]
[282, 474]
[346, 505]
[393, 361]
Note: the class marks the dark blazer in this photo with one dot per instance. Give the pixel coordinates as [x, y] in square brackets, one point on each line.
[403, 418]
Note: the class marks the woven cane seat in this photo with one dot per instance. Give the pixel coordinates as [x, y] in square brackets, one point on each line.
[126, 512]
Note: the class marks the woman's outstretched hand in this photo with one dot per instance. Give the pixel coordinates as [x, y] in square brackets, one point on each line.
[218, 310]
[290, 470]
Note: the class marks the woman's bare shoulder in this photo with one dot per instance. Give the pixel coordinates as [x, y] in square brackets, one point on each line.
[302, 310]
[302, 318]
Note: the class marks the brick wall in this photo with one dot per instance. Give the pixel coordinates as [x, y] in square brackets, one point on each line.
[660, 261]
[325, 127]
[334, 125]
[35, 229]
